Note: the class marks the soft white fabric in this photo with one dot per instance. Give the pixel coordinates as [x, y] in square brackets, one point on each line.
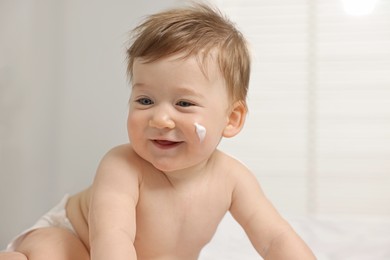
[330, 237]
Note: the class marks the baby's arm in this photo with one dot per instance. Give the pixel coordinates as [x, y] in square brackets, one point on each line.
[270, 234]
[114, 197]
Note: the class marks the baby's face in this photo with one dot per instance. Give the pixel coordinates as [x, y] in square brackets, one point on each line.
[178, 112]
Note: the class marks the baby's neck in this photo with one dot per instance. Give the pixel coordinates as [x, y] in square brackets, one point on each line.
[187, 177]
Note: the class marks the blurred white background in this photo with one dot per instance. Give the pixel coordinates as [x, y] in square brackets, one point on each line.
[318, 131]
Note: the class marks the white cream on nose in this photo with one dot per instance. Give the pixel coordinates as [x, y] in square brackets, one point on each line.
[200, 131]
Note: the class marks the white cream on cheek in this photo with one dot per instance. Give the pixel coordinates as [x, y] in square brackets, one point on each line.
[200, 131]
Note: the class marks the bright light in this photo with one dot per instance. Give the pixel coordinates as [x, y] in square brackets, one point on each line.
[359, 7]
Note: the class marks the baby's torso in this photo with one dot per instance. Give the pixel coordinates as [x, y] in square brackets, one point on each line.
[179, 223]
[171, 223]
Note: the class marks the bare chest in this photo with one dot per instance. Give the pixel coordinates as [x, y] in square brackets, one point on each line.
[168, 224]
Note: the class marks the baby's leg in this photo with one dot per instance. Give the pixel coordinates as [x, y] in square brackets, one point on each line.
[12, 256]
[53, 243]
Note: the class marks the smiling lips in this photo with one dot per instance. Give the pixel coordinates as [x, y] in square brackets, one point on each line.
[166, 144]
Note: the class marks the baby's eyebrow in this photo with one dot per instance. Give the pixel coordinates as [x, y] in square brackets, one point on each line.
[178, 90]
[139, 85]
[188, 91]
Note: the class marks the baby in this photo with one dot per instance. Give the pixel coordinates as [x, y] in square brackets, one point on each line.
[162, 195]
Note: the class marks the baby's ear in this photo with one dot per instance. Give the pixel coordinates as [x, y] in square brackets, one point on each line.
[236, 119]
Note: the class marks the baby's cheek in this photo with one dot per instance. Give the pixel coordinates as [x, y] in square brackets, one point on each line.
[133, 126]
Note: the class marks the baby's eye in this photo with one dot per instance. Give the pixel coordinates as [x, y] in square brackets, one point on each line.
[185, 104]
[145, 101]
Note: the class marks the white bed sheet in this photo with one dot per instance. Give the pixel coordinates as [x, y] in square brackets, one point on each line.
[330, 237]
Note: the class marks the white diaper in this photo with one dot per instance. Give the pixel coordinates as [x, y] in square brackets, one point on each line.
[56, 217]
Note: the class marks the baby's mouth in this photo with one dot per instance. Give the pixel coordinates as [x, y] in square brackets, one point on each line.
[166, 144]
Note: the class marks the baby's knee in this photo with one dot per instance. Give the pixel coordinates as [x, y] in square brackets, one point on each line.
[12, 256]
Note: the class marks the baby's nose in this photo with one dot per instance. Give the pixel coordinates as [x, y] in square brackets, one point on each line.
[161, 120]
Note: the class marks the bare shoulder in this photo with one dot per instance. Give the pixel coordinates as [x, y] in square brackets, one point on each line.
[236, 170]
[120, 159]
[254, 212]
[124, 153]
[243, 184]
[119, 172]
[247, 194]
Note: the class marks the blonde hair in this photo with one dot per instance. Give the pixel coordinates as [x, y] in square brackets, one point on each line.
[194, 30]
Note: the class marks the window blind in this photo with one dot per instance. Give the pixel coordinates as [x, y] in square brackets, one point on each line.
[318, 131]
